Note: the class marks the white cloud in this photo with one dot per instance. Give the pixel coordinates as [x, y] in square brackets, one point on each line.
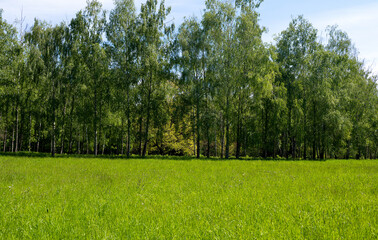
[51, 11]
[63, 10]
[360, 23]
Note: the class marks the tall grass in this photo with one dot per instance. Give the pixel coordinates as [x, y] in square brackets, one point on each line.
[73, 198]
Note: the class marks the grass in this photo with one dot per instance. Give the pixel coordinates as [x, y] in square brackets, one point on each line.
[74, 198]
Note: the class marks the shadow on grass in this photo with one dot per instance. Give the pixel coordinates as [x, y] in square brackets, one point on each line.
[156, 157]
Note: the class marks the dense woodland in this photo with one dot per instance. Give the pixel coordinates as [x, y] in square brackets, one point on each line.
[129, 82]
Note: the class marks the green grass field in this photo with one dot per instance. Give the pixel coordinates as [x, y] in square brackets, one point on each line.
[73, 198]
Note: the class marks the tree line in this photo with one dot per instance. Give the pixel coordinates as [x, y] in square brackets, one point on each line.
[129, 82]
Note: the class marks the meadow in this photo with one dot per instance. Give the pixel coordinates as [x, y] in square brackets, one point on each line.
[94, 198]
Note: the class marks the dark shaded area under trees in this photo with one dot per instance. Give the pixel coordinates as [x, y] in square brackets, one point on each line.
[128, 82]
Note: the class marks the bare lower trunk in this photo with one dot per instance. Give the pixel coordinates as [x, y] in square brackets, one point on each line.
[314, 133]
[5, 140]
[71, 125]
[128, 123]
[17, 120]
[227, 130]
[78, 142]
[95, 122]
[305, 149]
[12, 150]
[86, 134]
[64, 131]
[146, 134]
[71, 142]
[245, 145]
[238, 131]
[39, 135]
[304, 129]
[53, 119]
[122, 133]
[103, 145]
[198, 130]
[208, 143]
[95, 143]
[148, 118]
[215, 142]
[140, 134]
[294, 148]
[194, 132]
[222, 137]
[53, 141]
[30, 132]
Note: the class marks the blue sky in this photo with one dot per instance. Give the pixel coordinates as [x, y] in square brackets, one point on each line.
[359, 18]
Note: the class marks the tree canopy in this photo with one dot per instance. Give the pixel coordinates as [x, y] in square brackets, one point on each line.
[130, 82]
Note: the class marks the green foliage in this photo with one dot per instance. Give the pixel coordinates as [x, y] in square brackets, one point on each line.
[130, 84]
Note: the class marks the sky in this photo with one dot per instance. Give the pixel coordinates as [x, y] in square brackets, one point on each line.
[359, 18]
